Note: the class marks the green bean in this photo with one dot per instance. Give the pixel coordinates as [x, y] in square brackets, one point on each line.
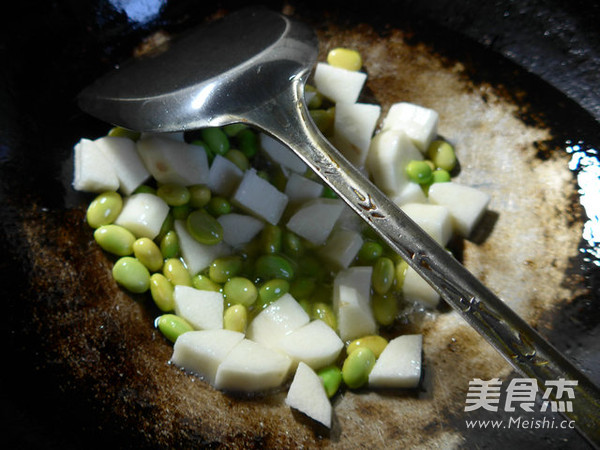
[373, 342]
[172, 326]
[124, 132]
[238, 158]
[204, 228]
[199, 195]
[247, 142]
[383, 275]
[161, 290]
[274, 266]
[271, 291]
[441, 176]
[148, 253]
[369, 252]
[357, 367]
[169, 245]
[323, 311]
[176, 272]
[216, 140]
[292, 244]
[224, 268]
[442, 154]
[385, 308]
[271, 236]
[173, 194]
[217, 206]
[419, 172]
[104, 209]
[235, 318]
[240, 290]
[115, 239]
[204, 283]
[131, 274]
[332, 379]
[233, 129]
[303, 287]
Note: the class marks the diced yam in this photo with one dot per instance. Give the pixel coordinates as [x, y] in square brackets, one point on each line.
[93, 172]
[203, 351]
[173, 161]
[411, 193]
[416, 289]
[202, 309]
[239, 229]
[143, 214]
[307, 395]
[224, 176]
[352, 302]
[354, 125]
[315, 344]
[281, 154]
[260, 198]
[252, 367]
[123, 155]
[197, 256]
[342, 247]
[418, 122]
[301, 189]
[315, 219]
[275, 321]
[389, 154]
[337, 84]
[466, 204]
[434, 219]
[399, 365]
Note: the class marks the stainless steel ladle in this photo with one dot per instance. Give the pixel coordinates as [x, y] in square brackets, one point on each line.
[251, 67]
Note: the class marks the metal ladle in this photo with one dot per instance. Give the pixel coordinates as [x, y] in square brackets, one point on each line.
[251, 67]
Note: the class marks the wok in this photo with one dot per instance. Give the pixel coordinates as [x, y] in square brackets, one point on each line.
[516, 88]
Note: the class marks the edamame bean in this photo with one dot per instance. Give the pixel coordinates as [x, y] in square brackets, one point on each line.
[222, 269]
[310, 266]
[399, 274]
[383, 275]
[316, 98]
[272, 237]
[233, 129]
[115, 239]
[323, 119]
[332, 379]
[238, 158]
[240, 290]
[199, 195]
[204, 283]
[419, 172]
[176, 272]
[247, 142]
[104, 209]
[441, 176]
[385, 308]
[357, 367]
[166, 226]
[145, 189]
[172, 326]
[369, 252]
[323, 311]
[204, 228]
[273, 266]
[216, 140]
[373, 342]
[181, 212]
[271, 291]
[345, 58]
[169, 245]
[210, 155]
[148, 253]
[124, 132]
[217, 206]
[161, 290]
[292, 244]
[303, 287]
[131, 274]
[173, 194]
[442, 154]
[235, 318]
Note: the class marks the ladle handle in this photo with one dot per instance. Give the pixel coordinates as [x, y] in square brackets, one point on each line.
[287, 119]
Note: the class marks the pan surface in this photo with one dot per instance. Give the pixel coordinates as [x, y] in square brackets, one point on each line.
[84, 365]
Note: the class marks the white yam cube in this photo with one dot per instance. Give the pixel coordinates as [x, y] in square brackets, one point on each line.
[416, 289]
[466, 204]
[354, 124]
[239, 229]
[197, 256]
[342, 247]
[260, 198]
[399, 365]
[352, 302]
[301, 189]
[123, 155]
[224, 176]
[315, 219]
[252, 367]
[434, 219]
[275, 321]
[281, 154]
[389, 154]
[338, 84]
[201, 352]
[411, 193]
[307, 395]
[173, 161]
[418, 122]
[202, 309]
[93, 172]
[315, 344]
[143, 214]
